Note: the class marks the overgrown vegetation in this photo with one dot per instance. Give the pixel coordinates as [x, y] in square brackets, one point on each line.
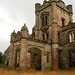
[1, 58]
[34, 72]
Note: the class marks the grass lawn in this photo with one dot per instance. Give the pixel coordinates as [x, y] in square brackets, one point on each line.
[33, 72]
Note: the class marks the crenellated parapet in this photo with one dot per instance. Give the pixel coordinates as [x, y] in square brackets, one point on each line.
[60, 3]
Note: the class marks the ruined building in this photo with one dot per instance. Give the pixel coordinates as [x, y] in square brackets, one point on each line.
[52, 42]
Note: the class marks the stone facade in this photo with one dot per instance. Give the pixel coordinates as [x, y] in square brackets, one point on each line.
[52, 42]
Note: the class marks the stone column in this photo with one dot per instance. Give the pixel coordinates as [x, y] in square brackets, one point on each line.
[54, 37]
[55, 57]
[23, 56]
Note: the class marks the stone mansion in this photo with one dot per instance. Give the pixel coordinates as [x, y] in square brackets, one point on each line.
[52, 42]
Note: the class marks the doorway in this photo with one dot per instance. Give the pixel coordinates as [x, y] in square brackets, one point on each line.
[35, 58]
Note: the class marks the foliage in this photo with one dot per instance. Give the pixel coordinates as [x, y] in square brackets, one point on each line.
[1, 57]
[3, 66]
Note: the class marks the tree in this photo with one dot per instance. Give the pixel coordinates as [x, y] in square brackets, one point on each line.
[1, 57]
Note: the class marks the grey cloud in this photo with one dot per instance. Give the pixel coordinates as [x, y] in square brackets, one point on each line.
[20, 12]
[3, 44]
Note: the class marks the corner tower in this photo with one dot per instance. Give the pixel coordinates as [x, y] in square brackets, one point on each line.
[51, 16]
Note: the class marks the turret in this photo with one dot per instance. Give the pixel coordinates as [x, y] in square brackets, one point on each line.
[24, 31]
[37, 7]
[13, 36]
[69, 7]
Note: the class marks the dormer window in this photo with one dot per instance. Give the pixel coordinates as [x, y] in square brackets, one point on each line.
[71, 36]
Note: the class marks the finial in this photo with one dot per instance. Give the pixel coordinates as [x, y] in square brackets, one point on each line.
[24, 27]
[24, 24]
[14, 31]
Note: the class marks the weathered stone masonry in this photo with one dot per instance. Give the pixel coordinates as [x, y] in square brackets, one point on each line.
[52, 42]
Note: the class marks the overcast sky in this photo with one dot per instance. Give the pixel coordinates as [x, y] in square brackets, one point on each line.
[13, 15]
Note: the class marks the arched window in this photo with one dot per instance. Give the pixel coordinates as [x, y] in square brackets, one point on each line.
[17, 58]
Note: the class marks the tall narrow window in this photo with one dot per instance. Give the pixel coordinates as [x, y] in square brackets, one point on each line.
[47, 57]
[58, 36]
[29, 59]
[42, 21]
[71, 36]
[47, 35]
[43, 37]
[63, 22]
[34, 35]
[18, 58]
[46, 20]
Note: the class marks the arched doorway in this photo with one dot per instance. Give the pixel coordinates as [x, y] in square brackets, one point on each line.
[17, 59]
[35, 61]
[72, 58]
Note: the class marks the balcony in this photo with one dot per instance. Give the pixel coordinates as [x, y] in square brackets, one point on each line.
[44, 28]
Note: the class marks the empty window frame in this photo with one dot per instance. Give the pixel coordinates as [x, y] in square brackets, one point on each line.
[47, 35]
[43, 37]
[58, 36]
[71, 36]
[47, 57]
[18, 57]
[63, 22]
[46, 20]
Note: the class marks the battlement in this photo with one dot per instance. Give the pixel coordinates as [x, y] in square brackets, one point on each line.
[59, 3]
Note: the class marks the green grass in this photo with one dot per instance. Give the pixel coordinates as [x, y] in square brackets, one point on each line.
[3, 66]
